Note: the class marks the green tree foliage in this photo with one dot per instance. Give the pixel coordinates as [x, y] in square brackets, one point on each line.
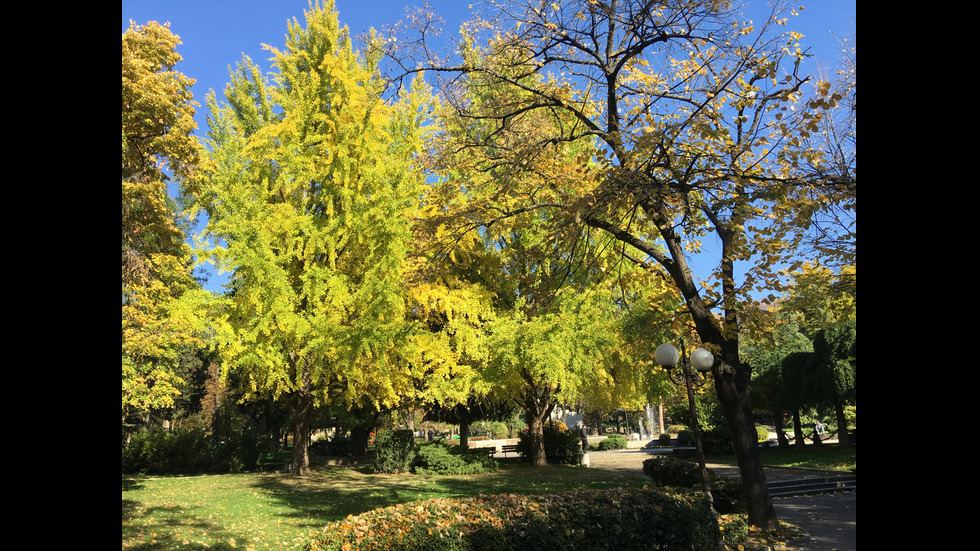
[775, 382]
[157, 146]
[832, 372]
[310, 200]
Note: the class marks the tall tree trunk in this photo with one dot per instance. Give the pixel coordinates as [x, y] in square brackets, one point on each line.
[843, 437]
[732, 379]
[302, 409]
[537, 410]
[359, 436]
[798, 438]
[535, 430]
[777, 421]
[464, 432]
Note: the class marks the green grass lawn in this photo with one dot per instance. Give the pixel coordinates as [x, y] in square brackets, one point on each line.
[831, 457]
[257, 511]
[273, 511]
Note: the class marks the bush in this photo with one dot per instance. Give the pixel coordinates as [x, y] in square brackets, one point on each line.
[670, 471]
[675, 429]
[761, 433]
[717, 441]
[394, 451]
[573, 521]
[167, 452]
[561, 445]
[613, 442]
[685, 437]
[239, 452]
[734, 529]
[664, 439]
[190, 452]
[441, 459]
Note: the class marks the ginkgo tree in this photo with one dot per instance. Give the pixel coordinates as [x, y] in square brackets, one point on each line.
[310, 195]
[698, 124]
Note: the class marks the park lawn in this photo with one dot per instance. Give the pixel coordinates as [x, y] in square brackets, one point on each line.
[831, 457]
[257, 511]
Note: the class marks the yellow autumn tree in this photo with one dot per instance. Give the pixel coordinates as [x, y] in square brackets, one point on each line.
[158, 147]
[310, 202]
[699, 124]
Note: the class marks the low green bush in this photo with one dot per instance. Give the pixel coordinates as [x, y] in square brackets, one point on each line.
[685, 438]
[674, 472]
[571, 521]
[394, 451]
[675, 429]
[734, 530]
[441, 459]
[761, 433]
[167, 452]
[664, 439]
[716, 441]
[613, 442]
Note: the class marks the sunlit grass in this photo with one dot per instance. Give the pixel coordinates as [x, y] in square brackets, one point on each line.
[830, 457]
[278, 511]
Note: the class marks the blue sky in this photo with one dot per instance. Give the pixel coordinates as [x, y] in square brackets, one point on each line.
[215, 33]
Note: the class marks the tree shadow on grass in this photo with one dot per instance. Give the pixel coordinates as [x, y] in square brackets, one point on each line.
[138, 533]
[329, 495]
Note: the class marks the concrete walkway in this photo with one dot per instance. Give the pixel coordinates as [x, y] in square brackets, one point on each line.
[829, 519]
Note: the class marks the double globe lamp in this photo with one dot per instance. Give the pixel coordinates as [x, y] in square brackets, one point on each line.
[668, 357]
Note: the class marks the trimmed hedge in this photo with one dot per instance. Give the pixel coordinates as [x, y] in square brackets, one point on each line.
[394, 451]
[441, 459]
[613, 442]
[668, 471]
[596, 520]
[189, 452]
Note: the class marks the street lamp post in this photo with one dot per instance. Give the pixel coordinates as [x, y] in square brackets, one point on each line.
[667, 356]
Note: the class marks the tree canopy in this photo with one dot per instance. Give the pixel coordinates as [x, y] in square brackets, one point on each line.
[692, 124]
[157, 145]
[310, 198]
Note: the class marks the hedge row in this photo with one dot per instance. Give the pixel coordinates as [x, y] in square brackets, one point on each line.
[673, 472]
[397, 452]
[613, 519]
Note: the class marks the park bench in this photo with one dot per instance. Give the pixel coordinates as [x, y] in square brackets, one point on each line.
[277, 460]
[489, 450]
[507, 448]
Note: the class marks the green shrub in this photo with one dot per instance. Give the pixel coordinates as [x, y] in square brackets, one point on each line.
[613, 442]
[239, 452]
[675, 429]
[167, 452]
[761, 433]
[664, 439]
[441, 459]
[734, 529]
[572, 521]
[671, 471]
[394, 451]
[716, 441]
[685, 438]
[562, 446]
